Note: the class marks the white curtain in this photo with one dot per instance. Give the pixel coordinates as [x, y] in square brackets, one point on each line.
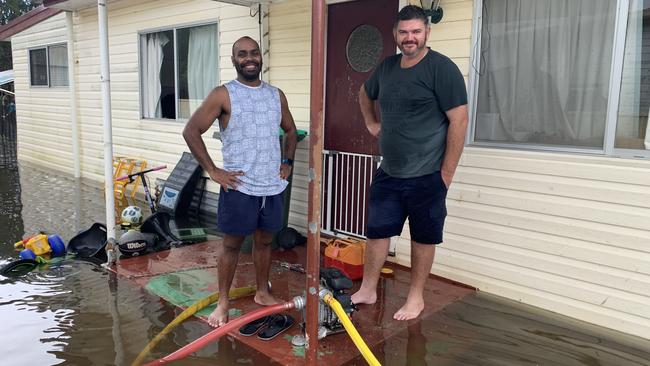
[544, 71]
[151, 46]
[202, 58]
[58, 63]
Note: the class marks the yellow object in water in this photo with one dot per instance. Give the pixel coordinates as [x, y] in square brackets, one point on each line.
[197, 306]
[39, 245]
[352, 331]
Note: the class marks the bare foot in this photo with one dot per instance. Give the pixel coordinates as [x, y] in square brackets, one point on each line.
[219, 316]
[265, 299]
[410, 310]
[364, 297]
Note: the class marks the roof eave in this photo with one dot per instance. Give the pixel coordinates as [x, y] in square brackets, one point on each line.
[25, 21]
[74, 5]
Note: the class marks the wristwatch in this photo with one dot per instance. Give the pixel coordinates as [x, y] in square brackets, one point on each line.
[287, 161]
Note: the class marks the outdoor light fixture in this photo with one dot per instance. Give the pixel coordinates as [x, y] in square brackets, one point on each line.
[432, 9]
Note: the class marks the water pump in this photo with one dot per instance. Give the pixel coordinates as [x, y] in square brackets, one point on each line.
[337, 283]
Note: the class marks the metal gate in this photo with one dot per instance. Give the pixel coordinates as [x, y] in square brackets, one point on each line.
[346, 183]
[8, 157]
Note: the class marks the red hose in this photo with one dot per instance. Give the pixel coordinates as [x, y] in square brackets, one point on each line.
[215, 334]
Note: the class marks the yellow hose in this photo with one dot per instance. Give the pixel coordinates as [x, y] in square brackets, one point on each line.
[352, 331]
[197, 306]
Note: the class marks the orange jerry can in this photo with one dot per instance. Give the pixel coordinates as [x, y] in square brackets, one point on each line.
[346, 255]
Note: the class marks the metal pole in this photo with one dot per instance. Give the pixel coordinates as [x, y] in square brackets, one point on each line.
[72, 82]
[105, 79]
[318, 14]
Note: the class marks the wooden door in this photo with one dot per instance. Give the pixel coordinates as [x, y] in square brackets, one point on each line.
[359, 36]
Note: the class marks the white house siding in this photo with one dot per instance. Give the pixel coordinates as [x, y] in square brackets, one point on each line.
[156, 141]
[567, 233]
[43, 114]
[289, 59]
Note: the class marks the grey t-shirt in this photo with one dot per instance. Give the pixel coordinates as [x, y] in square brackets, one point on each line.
[413, 102]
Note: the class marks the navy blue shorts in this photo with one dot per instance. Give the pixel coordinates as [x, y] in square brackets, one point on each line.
[240, 214]
[421, 199]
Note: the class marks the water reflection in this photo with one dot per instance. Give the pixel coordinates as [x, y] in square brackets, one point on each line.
[11, 222]
[73, 312]
[486, 330]
[416, 349]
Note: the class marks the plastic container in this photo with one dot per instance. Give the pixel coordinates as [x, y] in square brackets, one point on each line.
[346, 255]
[90, 243]
[301, 134]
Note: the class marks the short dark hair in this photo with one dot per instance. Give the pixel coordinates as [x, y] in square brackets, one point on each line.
[410, 12]
[241, 39]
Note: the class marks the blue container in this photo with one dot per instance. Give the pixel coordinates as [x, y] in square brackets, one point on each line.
[57, 245]
[27, 254]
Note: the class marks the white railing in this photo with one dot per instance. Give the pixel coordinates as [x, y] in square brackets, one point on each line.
[346, 183]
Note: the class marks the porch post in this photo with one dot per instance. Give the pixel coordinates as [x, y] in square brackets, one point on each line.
[105, 79]
[318, 15]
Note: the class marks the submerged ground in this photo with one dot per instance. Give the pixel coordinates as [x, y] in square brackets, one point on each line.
[77, 313]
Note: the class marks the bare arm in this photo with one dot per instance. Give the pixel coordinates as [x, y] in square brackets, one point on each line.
[367, 106]
[204, 116]
[290, 136]
[455, 142]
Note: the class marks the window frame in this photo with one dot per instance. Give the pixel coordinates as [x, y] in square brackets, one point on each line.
[615, 78]
[45, 47]
[174, 29]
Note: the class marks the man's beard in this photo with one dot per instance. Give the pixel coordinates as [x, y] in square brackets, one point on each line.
[248, 76]
[418, 48]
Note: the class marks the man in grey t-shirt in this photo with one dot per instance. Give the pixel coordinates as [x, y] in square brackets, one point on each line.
[423, 104]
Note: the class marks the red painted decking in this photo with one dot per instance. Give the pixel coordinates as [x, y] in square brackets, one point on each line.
[374, 322]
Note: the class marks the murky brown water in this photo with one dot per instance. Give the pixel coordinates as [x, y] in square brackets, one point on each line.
[76, 313]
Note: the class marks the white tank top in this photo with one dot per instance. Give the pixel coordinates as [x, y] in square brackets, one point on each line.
[251, 141]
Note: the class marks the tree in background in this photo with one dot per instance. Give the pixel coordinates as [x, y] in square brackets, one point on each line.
[9, 10]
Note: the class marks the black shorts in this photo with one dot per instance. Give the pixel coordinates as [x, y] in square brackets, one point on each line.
[241, 214]
[421, 199]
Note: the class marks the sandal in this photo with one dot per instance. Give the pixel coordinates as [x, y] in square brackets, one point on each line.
[254, 326]
[276, 325]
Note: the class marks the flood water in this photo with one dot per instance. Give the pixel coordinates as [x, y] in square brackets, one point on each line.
[76, 313]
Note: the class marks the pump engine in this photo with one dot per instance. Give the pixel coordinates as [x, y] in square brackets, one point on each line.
[337, 283]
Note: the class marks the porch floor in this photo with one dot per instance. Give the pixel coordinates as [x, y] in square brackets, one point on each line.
[190, 273]
[458, 326]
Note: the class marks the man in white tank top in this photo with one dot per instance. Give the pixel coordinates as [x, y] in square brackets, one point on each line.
[255, 171]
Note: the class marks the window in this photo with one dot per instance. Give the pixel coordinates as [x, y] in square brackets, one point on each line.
[178, 70]
[632, 130]
[546, 75]
[48, 66]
